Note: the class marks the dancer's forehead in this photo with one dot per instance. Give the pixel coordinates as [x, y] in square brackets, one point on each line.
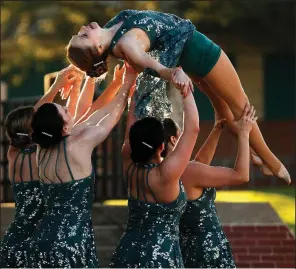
[79, 41]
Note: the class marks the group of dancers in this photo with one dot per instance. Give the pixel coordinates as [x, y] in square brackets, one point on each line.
[172, 220]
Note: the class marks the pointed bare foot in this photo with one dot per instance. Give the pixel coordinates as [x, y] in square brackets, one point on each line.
[284, 174]
[265, 171]
[255, 159]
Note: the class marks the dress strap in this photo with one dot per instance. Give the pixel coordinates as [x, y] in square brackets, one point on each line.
[21, 167]
[66, 158]
[44, 172]
[14, 167]
[147, 182]
[126, 179]
[131, 179]
[56, 165]
[143, 185]
[30, 166]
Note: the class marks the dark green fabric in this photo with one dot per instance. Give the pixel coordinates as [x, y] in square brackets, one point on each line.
[202, 240]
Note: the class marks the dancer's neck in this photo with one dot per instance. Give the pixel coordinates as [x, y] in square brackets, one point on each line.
[108, 35]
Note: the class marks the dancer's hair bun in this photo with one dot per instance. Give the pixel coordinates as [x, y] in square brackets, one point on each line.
[21, 140]
[47, 126]
[98, 70]
[145, 137]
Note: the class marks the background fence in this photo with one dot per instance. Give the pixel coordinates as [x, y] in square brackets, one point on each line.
[280, 136]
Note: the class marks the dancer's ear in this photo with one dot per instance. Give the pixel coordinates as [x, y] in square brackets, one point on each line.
[161, 148]
[65, 129]
[173, 140]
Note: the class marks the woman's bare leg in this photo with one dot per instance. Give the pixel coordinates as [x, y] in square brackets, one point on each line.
[224, 82]
[222, 109]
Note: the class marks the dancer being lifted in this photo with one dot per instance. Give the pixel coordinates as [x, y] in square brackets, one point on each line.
[176, 46]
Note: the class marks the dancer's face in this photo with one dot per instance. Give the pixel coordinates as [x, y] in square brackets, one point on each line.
[174, 139]
[88, 36]
[67, 117]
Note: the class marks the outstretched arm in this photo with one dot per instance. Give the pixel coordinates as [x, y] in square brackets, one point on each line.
[173, 166]
[74, 95]
[85, 98]
[96, 128]
[205, 176]
[133, 53]
[65, 78]
[206, 153]
[131, 119]
[86, 106]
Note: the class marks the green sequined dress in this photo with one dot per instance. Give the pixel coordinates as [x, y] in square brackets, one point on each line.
[151, 239]
[29, 210]
[168, 34]
[202, 240]
[65, 237]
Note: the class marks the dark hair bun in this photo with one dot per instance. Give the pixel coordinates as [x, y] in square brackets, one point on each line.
[145, 136]
[21, 140]
[47, 125]
[98, 70]
[45, 141]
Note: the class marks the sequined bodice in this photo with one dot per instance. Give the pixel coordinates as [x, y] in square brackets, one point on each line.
[74, 196]
[154, 217]
[151, 239]
[29, 211]
[200, 214]
[66, 228]
[168, 34]
[29, 201]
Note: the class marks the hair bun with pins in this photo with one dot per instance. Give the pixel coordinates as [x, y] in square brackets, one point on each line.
[21, 140]
[98, 70]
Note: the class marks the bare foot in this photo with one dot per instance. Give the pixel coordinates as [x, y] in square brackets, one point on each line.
[283, 172]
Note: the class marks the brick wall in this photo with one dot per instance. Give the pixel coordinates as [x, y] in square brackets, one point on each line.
[262, 246]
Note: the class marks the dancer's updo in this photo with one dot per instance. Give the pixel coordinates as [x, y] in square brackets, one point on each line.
[18, 126]
[88, 60]
[47, 125]
[170, 129]
[145, 137]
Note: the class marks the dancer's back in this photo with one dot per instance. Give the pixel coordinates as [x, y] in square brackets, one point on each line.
[156, 196]
[65, 236]
[23, 174]
[152, 234]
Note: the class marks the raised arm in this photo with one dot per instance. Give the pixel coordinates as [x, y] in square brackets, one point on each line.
[74, 95]
[201, 175]
[87, 108]
[96, 128]
[176, 162]
[132, 51]
[206, 153]
[131, 119]
[85, 98]
[65, 78]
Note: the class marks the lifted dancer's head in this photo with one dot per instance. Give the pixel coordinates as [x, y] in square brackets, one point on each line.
[50, 124]
[172, 133]
[18, 126]
[85, 50]
[146, 139]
